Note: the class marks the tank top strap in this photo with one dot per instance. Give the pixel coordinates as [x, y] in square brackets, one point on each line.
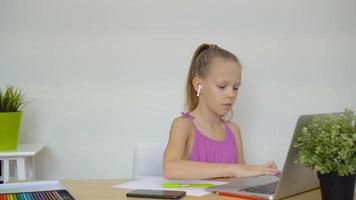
[228, 130]
[191, 118]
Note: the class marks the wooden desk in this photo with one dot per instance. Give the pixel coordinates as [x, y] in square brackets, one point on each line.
[102, 190]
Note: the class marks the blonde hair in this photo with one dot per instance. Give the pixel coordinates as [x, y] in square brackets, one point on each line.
[199, 67]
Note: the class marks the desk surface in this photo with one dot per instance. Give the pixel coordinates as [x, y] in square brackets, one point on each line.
[102, 189]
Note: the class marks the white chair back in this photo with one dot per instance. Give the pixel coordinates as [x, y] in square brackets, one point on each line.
[148, 159]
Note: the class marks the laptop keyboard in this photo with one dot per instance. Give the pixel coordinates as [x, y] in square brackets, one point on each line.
[269, 188]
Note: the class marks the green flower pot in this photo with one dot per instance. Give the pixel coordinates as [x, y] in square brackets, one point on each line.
[9, 130]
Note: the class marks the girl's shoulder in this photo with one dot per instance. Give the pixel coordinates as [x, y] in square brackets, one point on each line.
[183, 125]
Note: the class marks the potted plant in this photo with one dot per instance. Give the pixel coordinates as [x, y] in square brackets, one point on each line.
[11, 103]
[328, 147]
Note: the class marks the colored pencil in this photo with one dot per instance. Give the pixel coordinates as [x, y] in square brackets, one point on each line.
[227, 194]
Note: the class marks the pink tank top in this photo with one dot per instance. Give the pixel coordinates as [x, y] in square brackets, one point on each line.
[205, 149]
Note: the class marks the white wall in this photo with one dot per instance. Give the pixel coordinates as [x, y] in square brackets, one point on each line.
[106, 75]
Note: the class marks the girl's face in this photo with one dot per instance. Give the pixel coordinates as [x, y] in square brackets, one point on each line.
[221, 85]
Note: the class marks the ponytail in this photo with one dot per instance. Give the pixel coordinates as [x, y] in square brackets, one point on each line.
[192, 100]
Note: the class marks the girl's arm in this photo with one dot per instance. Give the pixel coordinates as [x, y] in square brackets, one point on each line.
[175, 166]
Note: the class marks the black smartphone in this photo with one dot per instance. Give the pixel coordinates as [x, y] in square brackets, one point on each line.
[161, 194]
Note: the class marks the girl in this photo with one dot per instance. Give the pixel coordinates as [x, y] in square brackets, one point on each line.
[202, 144]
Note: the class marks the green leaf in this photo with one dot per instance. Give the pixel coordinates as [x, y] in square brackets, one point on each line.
[11, 100]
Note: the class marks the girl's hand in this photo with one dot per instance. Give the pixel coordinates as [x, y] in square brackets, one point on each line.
[260, 170]
[269, 168]
[270, 164]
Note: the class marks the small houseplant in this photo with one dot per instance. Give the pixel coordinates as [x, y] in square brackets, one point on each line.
[328, 146]
[11, 103]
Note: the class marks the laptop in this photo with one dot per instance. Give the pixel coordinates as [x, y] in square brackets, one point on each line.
[294, 179]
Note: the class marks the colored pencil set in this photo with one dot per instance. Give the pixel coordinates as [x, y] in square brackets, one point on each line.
[41, 195]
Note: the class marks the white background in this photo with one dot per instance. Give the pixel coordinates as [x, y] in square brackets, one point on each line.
[105, 75]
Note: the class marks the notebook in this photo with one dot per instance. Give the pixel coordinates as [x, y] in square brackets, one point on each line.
[294, 179]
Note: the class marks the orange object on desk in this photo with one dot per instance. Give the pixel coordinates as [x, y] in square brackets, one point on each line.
[227, 194]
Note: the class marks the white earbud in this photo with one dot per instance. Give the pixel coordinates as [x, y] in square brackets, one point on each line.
[199, 88]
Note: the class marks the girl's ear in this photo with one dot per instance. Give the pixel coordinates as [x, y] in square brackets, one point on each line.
[196, 83]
